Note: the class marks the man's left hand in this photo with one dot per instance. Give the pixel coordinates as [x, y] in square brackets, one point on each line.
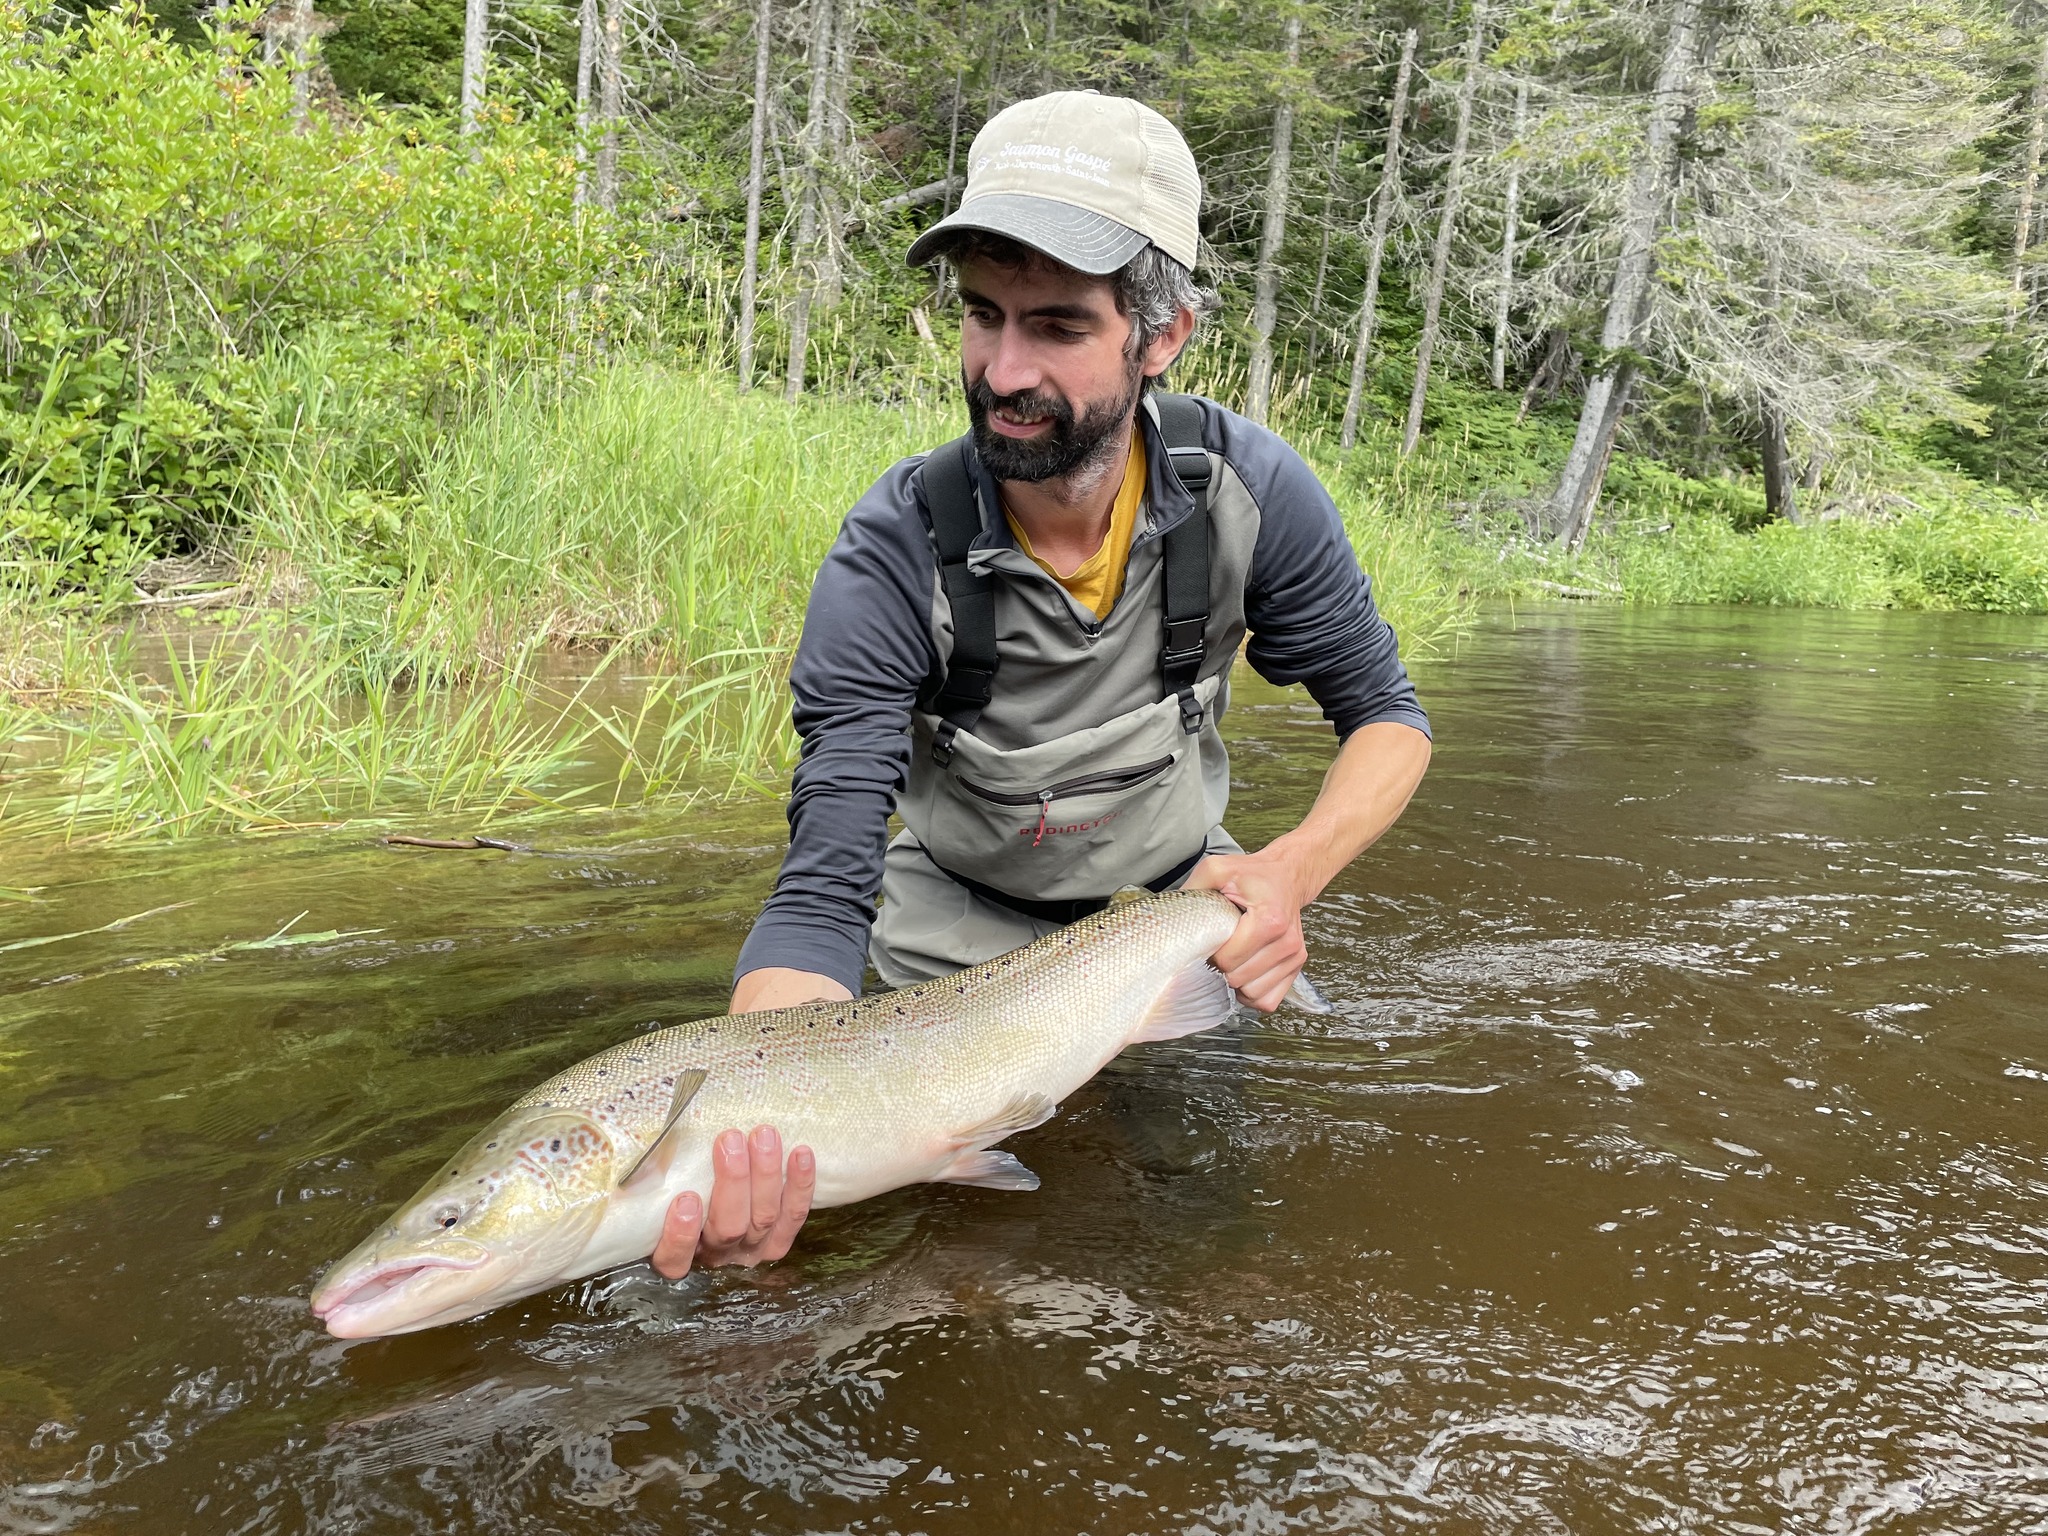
[1266, 952]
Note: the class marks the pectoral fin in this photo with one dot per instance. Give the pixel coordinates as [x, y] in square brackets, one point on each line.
[1197, 999]
[989, 1170]
[654, 1162]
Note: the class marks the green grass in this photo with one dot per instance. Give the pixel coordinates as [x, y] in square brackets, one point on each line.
[443, 625]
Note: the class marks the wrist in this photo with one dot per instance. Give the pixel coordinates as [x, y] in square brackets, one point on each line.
[1300, 857]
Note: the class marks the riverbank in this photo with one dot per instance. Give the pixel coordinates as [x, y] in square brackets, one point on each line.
[586, 594]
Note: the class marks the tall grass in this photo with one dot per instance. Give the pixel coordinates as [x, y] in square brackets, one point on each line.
[441, 622]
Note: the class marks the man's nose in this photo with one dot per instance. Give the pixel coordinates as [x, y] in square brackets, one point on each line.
[1014, 367]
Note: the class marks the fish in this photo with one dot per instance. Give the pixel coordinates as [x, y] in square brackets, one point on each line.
[911, 1086]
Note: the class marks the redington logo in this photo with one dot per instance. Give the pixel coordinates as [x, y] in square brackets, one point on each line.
[1045, 829]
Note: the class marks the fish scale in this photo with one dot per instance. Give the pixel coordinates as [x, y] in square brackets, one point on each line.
[907, 1086]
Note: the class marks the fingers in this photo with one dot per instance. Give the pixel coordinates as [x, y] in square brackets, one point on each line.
[679, 1232]
[731, 1193]
[1266, 961]
[796, 1205]
[755, 1208]
[764, 1149]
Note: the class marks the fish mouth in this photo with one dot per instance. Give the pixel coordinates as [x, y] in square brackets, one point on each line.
[347, 1300]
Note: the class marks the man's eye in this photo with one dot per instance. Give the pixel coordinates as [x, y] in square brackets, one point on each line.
[1064, 333]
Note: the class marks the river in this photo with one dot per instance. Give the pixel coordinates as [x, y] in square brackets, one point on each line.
[1673, 1160]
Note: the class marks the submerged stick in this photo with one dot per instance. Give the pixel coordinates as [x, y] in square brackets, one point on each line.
[460, 844]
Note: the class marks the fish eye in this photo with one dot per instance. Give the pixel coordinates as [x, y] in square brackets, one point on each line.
[449, 1218]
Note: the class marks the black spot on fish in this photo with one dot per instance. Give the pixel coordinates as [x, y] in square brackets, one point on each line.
[760, 1055]
[555, 1145]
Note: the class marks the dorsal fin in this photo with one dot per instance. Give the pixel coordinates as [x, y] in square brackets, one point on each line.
[1130, 893]
[687, 1084]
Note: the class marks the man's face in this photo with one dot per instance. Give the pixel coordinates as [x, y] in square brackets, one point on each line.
[1043, 353]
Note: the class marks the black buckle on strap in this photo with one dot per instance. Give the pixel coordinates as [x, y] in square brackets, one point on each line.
[1191, 467]
[1190, 711]
[942, 742]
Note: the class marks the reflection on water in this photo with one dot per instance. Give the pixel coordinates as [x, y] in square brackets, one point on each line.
[1673, 1161]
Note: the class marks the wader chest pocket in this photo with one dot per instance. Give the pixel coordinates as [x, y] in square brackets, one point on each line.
[1109, 781]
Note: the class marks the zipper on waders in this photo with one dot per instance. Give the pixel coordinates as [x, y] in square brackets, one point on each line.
[1087, 784]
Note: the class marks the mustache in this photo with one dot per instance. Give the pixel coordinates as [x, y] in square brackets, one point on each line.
[1030, 402]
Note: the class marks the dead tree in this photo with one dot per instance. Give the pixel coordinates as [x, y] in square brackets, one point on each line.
[1382, 215]
[1447, 219]
[1266, 277]
[1569, 512]
[750, 259]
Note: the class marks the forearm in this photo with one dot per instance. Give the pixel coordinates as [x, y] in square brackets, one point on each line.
[779, 986]
[1365, 790]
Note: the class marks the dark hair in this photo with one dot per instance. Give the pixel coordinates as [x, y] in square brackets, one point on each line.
[1151, 288]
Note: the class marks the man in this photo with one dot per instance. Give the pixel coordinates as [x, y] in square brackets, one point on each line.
[1023, 647]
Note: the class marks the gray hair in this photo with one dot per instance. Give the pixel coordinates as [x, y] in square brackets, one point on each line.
[1151, 289]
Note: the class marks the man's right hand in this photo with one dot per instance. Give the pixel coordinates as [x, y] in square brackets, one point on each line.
[757, 1205]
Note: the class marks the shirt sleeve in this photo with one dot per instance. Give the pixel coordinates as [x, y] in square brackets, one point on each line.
[865, 651]
[1308, 605]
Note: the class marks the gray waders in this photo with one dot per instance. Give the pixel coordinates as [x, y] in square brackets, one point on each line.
[1004, 844]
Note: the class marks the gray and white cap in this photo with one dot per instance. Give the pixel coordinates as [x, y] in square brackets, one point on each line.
[1087, 179]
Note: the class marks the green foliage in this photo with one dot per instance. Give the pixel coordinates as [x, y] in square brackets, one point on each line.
[2012, 449]
[164, 222]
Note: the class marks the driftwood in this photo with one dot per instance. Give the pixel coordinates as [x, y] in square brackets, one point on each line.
[459, 844]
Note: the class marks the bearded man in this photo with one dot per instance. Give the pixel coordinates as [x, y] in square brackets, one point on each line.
[1021, 642]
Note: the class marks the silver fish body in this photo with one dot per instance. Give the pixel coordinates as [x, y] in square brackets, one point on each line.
[899, 1088]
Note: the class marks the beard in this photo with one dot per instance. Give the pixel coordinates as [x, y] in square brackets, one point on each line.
[1072, 443]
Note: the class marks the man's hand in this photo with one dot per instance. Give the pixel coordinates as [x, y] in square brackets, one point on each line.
[1368, 784]
[756, 1206]
[1266, 951]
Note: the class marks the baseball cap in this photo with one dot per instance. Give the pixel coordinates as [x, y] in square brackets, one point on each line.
[1088, 179]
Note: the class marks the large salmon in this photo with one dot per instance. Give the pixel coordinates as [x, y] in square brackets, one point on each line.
[888, 1090]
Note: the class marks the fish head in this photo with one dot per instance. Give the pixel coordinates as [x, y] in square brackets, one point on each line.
[506, 1216]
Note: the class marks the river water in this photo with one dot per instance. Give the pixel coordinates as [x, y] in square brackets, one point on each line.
[1673, 1161]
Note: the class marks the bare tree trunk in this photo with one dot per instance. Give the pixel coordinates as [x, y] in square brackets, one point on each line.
[1809, 482]
[1315, 301]
[953, 138]
[1570, 509]
[586, 63]
[2023, 223]
[1382, 213]
[836, 172]
[1511, 210]
[1779, 501]
[302, 63]
[750, 260]
[476, 52]
[1266, 278]
[1052, 31]
[611, 92]
[810, 147]
[1549, 372]
[1447, 219]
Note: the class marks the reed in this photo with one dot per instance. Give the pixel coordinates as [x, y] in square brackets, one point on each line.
[441, 623]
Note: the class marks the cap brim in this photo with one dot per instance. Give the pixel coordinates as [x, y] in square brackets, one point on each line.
[1075, 237]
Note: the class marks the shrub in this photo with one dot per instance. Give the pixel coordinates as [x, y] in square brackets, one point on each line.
[164, 222]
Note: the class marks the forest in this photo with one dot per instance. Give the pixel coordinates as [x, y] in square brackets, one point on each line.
[424, 330]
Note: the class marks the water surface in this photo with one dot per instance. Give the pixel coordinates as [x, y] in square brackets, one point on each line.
[1673, 1161]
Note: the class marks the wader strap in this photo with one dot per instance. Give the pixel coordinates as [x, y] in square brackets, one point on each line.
[1186, 558]
[956, 519]
[1062, 912]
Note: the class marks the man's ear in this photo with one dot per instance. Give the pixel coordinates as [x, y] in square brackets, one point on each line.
[1166, 346]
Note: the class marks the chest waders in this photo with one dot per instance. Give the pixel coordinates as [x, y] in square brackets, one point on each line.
[1045, 832]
